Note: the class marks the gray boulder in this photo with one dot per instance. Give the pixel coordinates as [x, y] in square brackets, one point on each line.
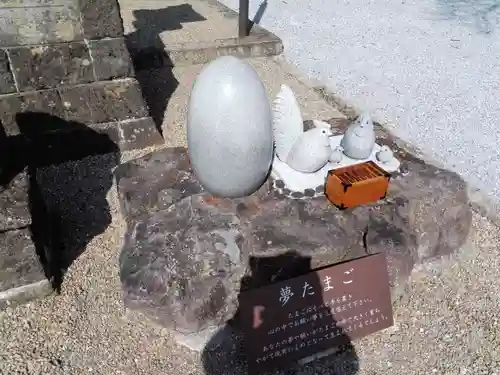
[186, 252]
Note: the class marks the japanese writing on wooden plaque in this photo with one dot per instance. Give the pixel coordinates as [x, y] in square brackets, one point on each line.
[299, 317]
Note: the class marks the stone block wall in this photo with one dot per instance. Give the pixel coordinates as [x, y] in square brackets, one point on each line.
[22, 272]
[68, 58]
[67, 90]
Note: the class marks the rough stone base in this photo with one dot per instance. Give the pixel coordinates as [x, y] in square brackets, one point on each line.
[187, 255]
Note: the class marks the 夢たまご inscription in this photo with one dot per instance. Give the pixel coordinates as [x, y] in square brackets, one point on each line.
[299, 317]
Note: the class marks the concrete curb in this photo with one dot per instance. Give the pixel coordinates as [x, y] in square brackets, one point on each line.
[259, 43]
[25, 293]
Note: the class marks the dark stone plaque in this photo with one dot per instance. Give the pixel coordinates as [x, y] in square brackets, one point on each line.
[312, 313]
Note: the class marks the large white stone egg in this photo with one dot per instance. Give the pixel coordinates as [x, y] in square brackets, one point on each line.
[229, 128]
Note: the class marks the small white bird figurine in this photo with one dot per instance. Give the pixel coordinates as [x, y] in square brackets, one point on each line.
[337, 155]
[359, 138]
[385, 155]
[307, 151]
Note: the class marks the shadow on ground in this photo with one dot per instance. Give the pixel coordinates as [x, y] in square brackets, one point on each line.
[259, 14]
[150, 56]
[68, 186]
[483, 15]
[225, 354]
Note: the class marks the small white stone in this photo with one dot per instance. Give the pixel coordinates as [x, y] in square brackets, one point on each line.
[385, 155]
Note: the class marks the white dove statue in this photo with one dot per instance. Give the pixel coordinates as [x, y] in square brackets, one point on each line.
[359, 138]
[305, 151]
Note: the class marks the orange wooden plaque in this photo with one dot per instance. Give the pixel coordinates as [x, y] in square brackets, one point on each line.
[356, 185]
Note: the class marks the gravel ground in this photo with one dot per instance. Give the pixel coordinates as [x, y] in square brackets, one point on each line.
[430, 67]
[448, 325]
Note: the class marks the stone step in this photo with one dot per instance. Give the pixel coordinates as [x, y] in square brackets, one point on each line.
[167, 90]
[70, 60]
[180, 32]
[115, 108]
[22, 274]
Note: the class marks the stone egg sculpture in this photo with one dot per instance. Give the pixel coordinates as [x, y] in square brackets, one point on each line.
[229, 128]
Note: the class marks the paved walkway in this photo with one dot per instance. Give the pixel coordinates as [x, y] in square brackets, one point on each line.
[431, 68]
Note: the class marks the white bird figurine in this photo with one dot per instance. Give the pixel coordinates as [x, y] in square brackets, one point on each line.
[337, 155]
[385, 155]
[305, 151]
[359, 138]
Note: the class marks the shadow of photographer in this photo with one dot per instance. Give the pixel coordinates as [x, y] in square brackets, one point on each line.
[150, 57]
[291, 333]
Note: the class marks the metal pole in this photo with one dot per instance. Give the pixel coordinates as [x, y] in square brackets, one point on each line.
[243, 19]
